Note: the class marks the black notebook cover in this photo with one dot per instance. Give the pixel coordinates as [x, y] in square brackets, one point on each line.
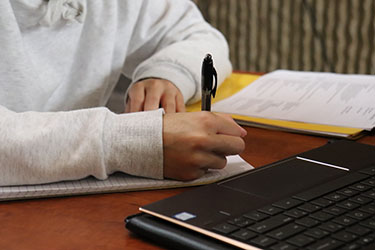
[170, 235]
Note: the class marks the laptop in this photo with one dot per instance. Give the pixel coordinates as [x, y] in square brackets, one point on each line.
[320, 199]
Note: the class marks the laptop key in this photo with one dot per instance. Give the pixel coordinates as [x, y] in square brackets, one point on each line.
[300, 240]
[345, 236]
[263, 241]
[270, 223]
[361, 199]
[360, 187]
[295, 213]
[326, 244]
[288, 203]
[322, 202]
[335, 210]
[358, 230]
[240, 222]
[271, 210]
[370, 223]
[243, 235]
[335, 197]
[370, 182]
[366, 240]
[255, 215]
[225, 228]
[283, 246]
[331, 227]
[345, 220]
[307, 222]
[359, 215]
[348, 204]
[285, 231]
[307, 207]
[316, 233]
[351, 246]
[370, 208]
[321, 216]
[370, 194]
[348, 192]
[369, 171]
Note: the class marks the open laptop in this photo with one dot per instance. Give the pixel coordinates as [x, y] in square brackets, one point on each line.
[321, 199]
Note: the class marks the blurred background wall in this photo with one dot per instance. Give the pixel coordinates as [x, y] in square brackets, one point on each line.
[313, 35]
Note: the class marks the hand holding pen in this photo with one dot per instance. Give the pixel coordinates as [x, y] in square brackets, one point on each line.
[195, 142]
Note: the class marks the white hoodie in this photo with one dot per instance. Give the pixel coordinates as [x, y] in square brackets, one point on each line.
[59, 62]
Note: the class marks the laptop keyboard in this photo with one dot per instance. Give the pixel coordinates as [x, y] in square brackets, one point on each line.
[336, 215]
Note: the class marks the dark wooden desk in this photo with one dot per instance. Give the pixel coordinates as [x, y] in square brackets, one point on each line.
[96, 221]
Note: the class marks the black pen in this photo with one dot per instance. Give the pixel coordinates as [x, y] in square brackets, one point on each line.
[208, 89]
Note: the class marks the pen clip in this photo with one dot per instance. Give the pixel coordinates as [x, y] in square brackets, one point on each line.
[213, 91]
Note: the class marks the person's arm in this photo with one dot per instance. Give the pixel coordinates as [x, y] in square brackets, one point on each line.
[41, 147]
[169, 42]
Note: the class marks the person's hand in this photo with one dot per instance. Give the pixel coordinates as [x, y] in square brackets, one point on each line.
[152, 93]
[198, 141]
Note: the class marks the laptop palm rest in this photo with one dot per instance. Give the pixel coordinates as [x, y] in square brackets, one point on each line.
[287, 178]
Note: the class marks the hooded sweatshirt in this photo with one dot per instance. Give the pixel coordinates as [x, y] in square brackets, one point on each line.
[59, 63]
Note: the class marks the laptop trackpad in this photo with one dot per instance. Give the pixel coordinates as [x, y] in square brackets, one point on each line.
[283, 179]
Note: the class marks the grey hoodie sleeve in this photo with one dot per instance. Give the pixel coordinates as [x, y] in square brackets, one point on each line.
[53, 146]
[177, 38]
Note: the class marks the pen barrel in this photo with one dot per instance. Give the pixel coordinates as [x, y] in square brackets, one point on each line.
[206, 101]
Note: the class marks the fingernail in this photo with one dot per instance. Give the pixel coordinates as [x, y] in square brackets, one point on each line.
[243, 132]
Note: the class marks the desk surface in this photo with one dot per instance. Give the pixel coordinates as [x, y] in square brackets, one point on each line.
[96, 221]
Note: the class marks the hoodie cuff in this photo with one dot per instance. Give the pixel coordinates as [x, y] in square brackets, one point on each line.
[133, 143]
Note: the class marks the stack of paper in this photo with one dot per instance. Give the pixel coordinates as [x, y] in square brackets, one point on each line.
[329, 104]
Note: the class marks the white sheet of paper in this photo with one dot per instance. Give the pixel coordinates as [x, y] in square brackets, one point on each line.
[311, 97]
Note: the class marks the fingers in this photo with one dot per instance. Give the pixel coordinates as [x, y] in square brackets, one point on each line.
[221, 124]
[153, 97]
[180, 105]
[151, 94]
[212, 161]
[217, 144]
[225, 144]
[168, 102]
[135, 99]
[198, 166]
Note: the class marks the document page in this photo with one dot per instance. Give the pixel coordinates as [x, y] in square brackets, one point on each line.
[344, 100]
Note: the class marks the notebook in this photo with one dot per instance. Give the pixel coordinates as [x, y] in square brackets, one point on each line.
[118, 182]
[321, 199]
